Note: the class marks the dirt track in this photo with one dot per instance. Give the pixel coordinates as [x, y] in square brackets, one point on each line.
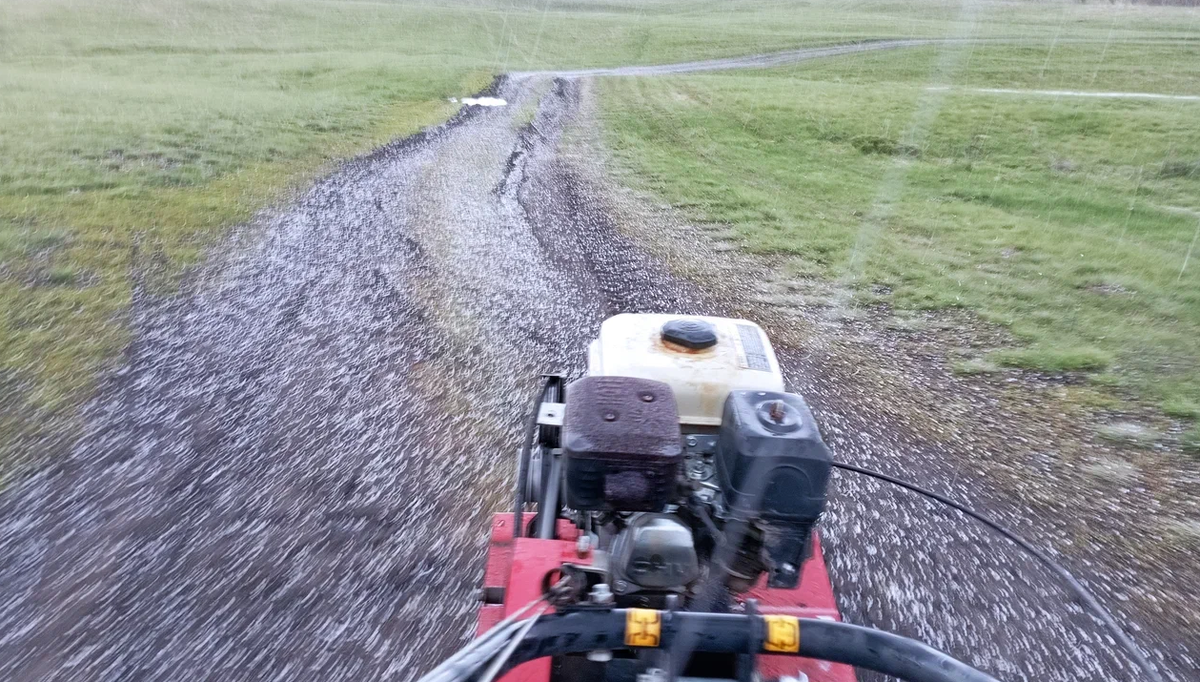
[291, 477]
[754, 61]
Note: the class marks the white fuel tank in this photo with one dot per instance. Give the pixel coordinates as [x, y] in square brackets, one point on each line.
[701, 358]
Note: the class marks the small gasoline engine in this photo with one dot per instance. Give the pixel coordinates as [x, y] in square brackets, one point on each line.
[675, 490]
[679, 453]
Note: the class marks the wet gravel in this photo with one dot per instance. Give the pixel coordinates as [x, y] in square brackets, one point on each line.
[290, 478]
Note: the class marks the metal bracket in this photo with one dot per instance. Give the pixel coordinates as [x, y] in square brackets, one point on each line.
[551, 414]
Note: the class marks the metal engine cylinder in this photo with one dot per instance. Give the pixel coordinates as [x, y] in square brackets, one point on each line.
[655, 552]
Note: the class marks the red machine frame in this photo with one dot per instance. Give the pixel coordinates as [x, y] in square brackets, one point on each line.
[520, 567]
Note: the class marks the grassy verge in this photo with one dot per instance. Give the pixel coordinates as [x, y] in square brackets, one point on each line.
[132, 132]
[1068, 220]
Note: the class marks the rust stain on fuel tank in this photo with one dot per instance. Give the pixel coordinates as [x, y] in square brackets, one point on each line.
[684, 350]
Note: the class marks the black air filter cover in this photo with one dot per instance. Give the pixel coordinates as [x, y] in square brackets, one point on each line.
[622, 444]
[771, 461]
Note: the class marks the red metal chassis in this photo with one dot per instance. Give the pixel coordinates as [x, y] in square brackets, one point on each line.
[520, 567]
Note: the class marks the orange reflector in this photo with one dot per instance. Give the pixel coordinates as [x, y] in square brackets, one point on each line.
[643, 627]
[783, 634]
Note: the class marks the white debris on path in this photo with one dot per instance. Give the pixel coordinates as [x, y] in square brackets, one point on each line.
[483, 101]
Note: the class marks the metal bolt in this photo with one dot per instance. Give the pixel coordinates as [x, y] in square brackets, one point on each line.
[647, 397]
[610, 416]
[777, 411]
[600, 655]
[600, 594]
[691, 441]
[583, 545]
[620, 586]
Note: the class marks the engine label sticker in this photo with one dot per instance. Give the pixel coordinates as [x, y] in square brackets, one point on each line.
[751, 351]
[783, 634]
[643, 627]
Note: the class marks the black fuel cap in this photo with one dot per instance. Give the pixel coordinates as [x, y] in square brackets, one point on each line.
[694, 334]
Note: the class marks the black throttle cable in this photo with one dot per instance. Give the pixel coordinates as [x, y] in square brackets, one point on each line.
[1080, 591]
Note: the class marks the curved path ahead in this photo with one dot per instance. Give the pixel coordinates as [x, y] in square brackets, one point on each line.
[290, 479]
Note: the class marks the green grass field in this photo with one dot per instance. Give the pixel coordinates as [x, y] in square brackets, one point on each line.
[1067, 220]
[133, 132]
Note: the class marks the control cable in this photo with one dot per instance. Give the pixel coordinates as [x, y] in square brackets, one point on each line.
[1077, 587]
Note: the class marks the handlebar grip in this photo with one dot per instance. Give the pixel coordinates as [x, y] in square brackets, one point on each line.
[883, 652]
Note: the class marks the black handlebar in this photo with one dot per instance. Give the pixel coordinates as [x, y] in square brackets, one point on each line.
[589, 630]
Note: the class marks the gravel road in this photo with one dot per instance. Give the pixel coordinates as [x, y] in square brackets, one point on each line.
[290, 478]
